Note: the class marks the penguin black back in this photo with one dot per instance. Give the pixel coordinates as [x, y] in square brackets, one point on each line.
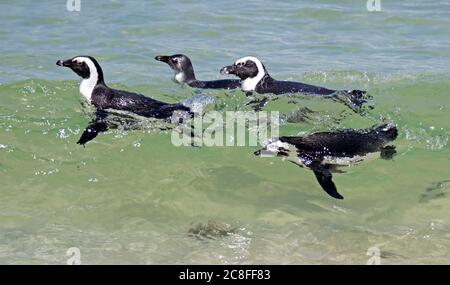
[344, 143]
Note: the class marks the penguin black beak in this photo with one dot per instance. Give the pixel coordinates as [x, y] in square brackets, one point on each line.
[264, 153]
[231, 69]
[163, 58]
[62, 62]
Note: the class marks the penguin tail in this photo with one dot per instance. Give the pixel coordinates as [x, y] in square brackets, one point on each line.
[358, 97]
[388, 132]
[357, 100]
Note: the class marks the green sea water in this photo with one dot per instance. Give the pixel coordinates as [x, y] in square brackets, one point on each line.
[132, 197]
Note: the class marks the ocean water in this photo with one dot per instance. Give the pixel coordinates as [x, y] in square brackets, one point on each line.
[132, 197]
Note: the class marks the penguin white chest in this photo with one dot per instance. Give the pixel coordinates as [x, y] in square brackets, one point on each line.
[249, 84]
[179, 77]
[86, 88]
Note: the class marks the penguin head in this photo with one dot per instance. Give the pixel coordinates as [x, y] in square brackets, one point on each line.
[249, 69]
[180, 64]
[273, 147]
[246, 67]
[85, 66]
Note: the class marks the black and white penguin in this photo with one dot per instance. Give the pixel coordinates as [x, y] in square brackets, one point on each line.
[324, 152]
[95, 91]
[184, 73]
[254, 77]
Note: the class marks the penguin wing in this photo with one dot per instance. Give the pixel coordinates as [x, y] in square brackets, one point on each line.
[323, 176]
[97, 126]
[325, 180]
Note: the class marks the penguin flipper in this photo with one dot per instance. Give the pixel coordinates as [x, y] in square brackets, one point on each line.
[91, 132]
[324, 177]
[97, 126]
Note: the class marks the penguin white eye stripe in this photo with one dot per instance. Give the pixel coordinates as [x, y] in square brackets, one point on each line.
[83, 59]
[88, 62]
[87, 85]
[249, 84]
[251, 58]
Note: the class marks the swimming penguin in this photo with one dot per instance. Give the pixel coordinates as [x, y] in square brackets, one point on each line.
[254, 77]
[184, 73]
[95, 91]
[324, 152]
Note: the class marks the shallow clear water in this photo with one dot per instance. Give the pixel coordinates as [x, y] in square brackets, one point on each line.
[132, 197]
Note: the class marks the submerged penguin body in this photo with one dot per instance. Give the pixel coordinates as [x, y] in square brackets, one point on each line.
[324, 152]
